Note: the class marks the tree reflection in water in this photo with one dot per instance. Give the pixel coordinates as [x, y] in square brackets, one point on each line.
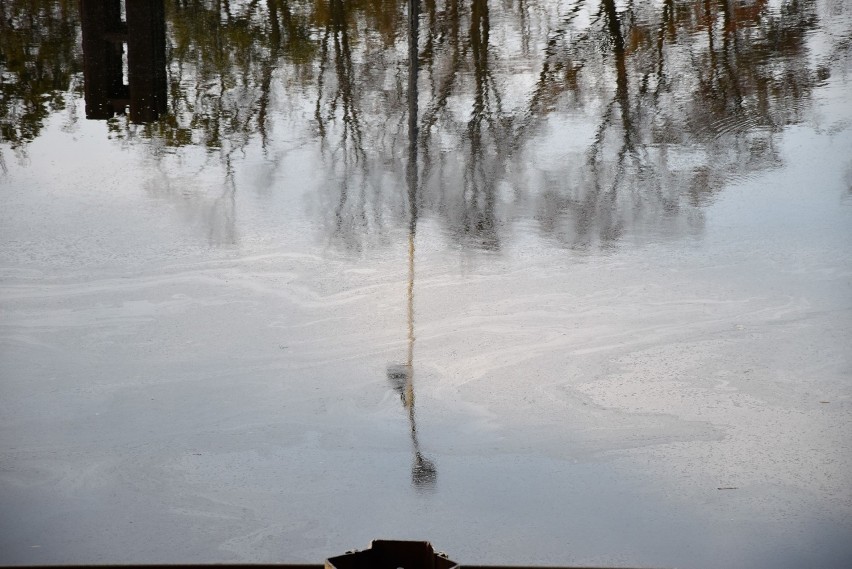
[39, 64]
[681, 96]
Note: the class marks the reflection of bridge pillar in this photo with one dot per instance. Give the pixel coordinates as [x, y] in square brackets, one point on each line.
[104, 36]
[146, 59]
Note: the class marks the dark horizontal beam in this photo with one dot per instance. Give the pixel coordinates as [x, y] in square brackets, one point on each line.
[277, 566]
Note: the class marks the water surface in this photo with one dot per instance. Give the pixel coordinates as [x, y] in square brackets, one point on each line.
[541, 282]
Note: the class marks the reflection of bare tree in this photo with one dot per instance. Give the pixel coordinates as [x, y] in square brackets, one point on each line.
[682, 95]
[480, 177]
[39, 59]
[678, 118]
[219, 95]
[671, 94]
[203, 201]
[470, 207]
[336, 95]
[348, 81]
[336, 51]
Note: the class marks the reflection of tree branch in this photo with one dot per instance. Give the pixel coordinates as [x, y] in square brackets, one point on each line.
[557, 64]
[666, 27]
[622, 92]
[441, 94]
[40, 56]
[222, 220]
[336, 54]
[337, 36]
[486, 126]
[266, 79]
[623, 69]
[729, 45]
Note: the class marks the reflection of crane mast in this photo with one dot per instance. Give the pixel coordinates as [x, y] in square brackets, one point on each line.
[423, 471]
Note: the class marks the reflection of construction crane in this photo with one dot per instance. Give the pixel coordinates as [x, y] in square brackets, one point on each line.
[401, 377]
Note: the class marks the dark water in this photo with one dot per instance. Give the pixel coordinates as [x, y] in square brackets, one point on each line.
[541, 282]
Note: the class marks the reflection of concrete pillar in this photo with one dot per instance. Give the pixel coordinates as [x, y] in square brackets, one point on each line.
[104, 35]
[146, 59]
[102, 45]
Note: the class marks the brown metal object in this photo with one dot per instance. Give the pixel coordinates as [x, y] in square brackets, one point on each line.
[384, 554]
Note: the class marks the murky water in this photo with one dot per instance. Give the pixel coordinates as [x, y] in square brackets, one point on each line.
[571, 286]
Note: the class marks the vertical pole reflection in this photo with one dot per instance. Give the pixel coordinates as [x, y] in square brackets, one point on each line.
[411, 178]
[423, 471]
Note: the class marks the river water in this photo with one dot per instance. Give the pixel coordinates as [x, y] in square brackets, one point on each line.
[572, 285]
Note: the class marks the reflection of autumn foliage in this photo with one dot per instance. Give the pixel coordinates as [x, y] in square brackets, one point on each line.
[230, 58]
[670, 80]
[223, 57]
[590, 117]
[694, 95]
[39, 59]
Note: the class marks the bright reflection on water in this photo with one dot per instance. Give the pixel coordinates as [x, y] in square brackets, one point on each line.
[556, 282]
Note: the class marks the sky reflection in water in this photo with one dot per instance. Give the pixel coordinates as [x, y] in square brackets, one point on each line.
[606, 241]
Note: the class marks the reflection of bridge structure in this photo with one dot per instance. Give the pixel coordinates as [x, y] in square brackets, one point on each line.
[105, 34]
